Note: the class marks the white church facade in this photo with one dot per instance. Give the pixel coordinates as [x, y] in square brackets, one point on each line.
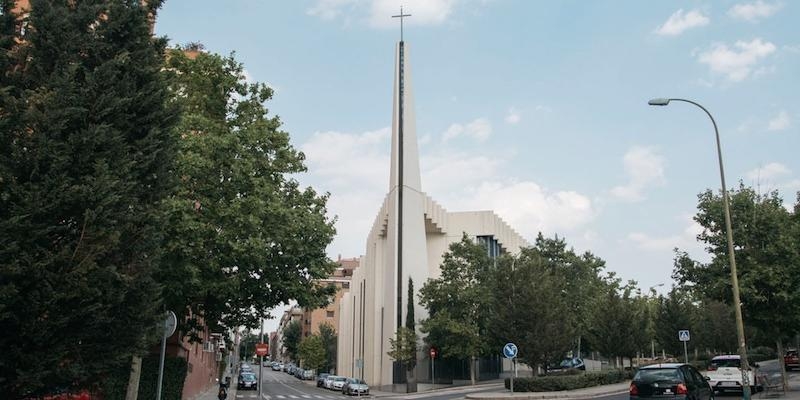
[408, 238]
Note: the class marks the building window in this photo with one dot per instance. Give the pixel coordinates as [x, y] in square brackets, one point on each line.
[330, 314]
[346, 285]
[493, 248]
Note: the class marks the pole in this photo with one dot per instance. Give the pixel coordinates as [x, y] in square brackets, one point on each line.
[685, 353]
[161, 362]
[514, 369]
[433, 371]
[737, 303]
[653, 349]
[261, 361]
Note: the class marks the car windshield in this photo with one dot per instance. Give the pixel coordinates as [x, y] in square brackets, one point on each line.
[249, 377]
[657, 375]
[358, 382]
[726, 363]
[339, 379]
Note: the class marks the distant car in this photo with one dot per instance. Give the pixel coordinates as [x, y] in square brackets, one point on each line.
[790, 360]
[338, 382]
[276, 366]
[308, 375]
[572, 363]
[321, 379]
[724, 373]
[674, 380]
[355, 386]
[329, 381]
[247, 380]
[298, 373]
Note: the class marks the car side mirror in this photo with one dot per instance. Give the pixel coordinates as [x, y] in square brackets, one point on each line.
[708, 378]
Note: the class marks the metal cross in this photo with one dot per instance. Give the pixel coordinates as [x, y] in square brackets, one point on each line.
[401, 16]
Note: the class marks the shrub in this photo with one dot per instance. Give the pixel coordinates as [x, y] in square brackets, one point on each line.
[554, 383]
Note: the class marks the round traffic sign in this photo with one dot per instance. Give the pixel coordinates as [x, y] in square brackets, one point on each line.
[262, 349]
[170, 324]
[433, 352]
[510, 350]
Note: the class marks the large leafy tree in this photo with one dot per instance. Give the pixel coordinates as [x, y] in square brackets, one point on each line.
[244, 236]
[291, 339]
[312, 352]
[617, 331]
[457, 303]
[530, 308]
[86, 152]
[767, 250]
[329, 342]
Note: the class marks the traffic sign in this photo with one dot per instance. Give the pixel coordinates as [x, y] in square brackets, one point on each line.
[170, 324]
[262, 349]
[683, 335]
[433, 352]
[510, 350]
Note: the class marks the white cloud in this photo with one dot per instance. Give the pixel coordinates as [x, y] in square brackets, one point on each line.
[527, 207]
[378, 13]
[330, 9]
[512, 117]
[736, 63]
[769, 171]
[345, 159]
[754, 11]
[479, 129]
[644, 168]
[780, 122]
[678, 22]
[685, 240]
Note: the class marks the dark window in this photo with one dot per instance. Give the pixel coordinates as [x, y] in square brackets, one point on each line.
[346, 285]
[493, 248]
[330, 314]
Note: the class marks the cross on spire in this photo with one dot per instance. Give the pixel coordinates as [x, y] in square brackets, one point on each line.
[401, 16]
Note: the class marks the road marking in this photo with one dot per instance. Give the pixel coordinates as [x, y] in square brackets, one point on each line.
[291, 396]
[306, 396]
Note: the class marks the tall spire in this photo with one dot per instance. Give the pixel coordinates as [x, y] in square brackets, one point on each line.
[401, 16]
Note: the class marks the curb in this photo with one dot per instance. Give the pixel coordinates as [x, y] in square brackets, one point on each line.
[573, 395]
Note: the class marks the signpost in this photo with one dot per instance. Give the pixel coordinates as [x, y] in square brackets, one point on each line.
[683, 336]
[510, 351]
[433, 367]
[170, 323]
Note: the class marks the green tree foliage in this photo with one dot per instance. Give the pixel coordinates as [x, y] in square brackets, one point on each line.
[411, 325]
[401, 345]
[329, 342]
[675, 313]
[457, 303]
[291, 339]
[247, 346]
[86, 153]
[312, 352]
[623, 316]
[243, 235]
[530, 309]
[767, 246]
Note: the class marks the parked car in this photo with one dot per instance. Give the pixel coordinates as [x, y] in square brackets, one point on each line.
[321, 379]
[791, 360]
[724, 373]
[338, 382]
[276, 366]
[298, 373]
[355, 386]
[247, 380]
[676, 380]
[329, 381]
[308, 375]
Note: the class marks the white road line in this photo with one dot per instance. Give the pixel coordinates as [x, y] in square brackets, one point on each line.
[291, 396]
[306, 396]
[280, 396]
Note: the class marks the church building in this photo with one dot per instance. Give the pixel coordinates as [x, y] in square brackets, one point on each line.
[408, 238]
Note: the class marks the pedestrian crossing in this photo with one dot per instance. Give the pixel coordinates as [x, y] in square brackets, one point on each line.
[292, 396]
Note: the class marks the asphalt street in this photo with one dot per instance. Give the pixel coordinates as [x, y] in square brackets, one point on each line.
[276, 385]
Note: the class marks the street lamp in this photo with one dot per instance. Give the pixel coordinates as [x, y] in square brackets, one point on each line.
[737, 306]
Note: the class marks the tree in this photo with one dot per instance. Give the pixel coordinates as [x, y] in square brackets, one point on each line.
[291, 339]
[675, 313]
[530, 308]
[767, 254]
[411, 362]
[243, 235]
[86, 154]
[402, 345]
[312, 352]
[457, 303]
[622, 317]
[329, 342]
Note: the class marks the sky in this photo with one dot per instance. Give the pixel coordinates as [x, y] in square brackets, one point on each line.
[536, 110]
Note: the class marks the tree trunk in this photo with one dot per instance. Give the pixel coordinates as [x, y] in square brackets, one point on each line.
[133, 379]
[411, 380]
[785, 378]
[472, 370]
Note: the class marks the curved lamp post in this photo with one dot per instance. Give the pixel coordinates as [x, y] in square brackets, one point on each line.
[737, 306]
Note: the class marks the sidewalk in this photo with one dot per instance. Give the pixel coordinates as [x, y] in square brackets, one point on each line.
[585, 393]
[213, 390]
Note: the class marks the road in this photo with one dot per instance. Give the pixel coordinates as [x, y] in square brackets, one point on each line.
[276, 385]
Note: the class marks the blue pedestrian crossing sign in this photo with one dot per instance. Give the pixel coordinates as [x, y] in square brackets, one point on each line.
[510, 350]
[683, 335]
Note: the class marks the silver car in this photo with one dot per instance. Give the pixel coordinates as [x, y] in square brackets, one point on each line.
[355, 386]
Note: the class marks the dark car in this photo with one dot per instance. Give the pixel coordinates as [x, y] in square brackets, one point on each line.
[321, 379]
[677, 380]
[247, 380]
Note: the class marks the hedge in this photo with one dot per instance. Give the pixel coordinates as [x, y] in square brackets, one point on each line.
[554, 383]
[114, 387]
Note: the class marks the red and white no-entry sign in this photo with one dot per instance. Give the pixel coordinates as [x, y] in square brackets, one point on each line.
[262, 349]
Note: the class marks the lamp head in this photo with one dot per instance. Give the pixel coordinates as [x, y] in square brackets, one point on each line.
[658, 102]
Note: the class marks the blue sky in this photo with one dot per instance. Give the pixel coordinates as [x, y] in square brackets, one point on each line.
[537, 110]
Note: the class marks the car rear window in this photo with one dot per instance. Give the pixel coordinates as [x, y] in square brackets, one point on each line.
[727, 363]
[657, 375]
[249, 377]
